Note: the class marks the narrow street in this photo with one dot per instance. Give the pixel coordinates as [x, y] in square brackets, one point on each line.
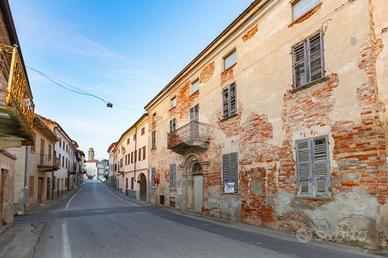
[95, 222]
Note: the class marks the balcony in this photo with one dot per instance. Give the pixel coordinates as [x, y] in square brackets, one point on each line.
[16, 101]
[72, 170]
[192, 135]
[48, 163]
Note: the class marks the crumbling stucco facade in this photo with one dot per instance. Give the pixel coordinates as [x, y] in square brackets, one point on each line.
[347, 105]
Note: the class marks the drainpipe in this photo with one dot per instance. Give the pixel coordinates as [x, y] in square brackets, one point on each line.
[136, 157]
[25, 178]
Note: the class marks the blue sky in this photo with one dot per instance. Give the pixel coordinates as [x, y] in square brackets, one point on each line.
[122, 50]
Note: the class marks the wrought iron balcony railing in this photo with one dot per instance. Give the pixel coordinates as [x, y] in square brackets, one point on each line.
[18, 92]
[48, 163]
[193, 134]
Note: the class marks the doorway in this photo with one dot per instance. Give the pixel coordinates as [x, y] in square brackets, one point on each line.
[48, 189]
[193, 184]
[40, 189]
[3, 194]
[143, 188]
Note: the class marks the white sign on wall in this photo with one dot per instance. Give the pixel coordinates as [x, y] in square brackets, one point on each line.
[229, 187]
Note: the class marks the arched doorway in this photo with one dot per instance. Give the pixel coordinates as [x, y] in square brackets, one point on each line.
[143, 187]
[194, 183]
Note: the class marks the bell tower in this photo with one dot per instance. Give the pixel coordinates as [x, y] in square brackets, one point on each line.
[91, 154]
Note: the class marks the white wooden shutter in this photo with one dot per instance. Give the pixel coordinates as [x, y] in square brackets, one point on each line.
[321, 165]
[304, 175]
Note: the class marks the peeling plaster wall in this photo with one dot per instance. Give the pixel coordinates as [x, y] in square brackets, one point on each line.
[348, 106]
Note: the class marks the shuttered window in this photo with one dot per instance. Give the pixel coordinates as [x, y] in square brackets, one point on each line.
[194, 113]
[172, 125]
[153, 176]
[229, 101]
[230, 171]
[153, 139]
[313, 166]
[172, 176]
[308, 61]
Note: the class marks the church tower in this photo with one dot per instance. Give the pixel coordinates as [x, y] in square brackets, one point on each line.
[91, 154]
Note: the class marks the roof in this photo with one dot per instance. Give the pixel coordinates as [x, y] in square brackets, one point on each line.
[215, 43]
[132, 127]
[53, 124]
[111, 146]
[39, 124]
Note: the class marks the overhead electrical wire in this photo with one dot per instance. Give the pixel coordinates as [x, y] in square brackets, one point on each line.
[77, 90]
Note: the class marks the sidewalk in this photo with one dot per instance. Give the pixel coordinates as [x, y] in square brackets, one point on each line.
[20, 240]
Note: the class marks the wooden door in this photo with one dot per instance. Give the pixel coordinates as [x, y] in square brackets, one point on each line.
[143, 188]
[40, 189]
[48, 189]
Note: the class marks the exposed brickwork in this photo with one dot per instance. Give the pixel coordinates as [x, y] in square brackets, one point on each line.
[207, 72]
[250, 33]
[227, 76]
[185, 101]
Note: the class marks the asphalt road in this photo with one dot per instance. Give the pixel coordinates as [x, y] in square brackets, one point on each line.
[95, 222]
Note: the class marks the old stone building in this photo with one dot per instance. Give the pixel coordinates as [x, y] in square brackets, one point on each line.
[281, 121]
[130, 160]
[16, 109]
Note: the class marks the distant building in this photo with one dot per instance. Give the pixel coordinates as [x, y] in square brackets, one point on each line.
[95, 169]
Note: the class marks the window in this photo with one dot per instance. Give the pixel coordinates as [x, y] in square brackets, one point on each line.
[172, 176]
[60, 143]
[172, 125]
[126, 160]
[230, 172]
[308, 63]
[313, 166]
[230, 60]
[128, 141]
[63, 161]
[194, 113]
[135, 156]
[195, 86]
[301, 7]
[33, 148]
[121, 162]
[153, 139]
[126, 183]
[132, 157]
[173, 102]
[140, 154]
[143, 131]
[229, 106]
[132, 183]
[153, 177]
[134, 137]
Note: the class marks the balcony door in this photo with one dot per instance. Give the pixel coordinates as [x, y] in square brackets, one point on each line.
[42, 143]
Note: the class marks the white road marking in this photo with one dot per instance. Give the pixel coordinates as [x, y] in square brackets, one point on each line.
[65, 241]
[118, 197]
[68, 203]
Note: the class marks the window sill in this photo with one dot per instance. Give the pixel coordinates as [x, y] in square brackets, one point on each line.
[308, 85]
[172, 109]
[229, 68]
[172, 189]
[228, 117]
[237, 193]
[153, 148]
[314, 198]
[194, 92]
[307, 15]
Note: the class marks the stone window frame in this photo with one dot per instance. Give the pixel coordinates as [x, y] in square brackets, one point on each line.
[195, 82]
[225, 57]
[173, 102]
[307, 147]
[304, 15]
[227, 157]
[231, 111]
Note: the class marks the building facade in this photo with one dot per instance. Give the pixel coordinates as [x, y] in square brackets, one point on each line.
[281, 121]
[34, 170]
[112, 173]
[130, 163]
[16, 109]
[66, 151]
